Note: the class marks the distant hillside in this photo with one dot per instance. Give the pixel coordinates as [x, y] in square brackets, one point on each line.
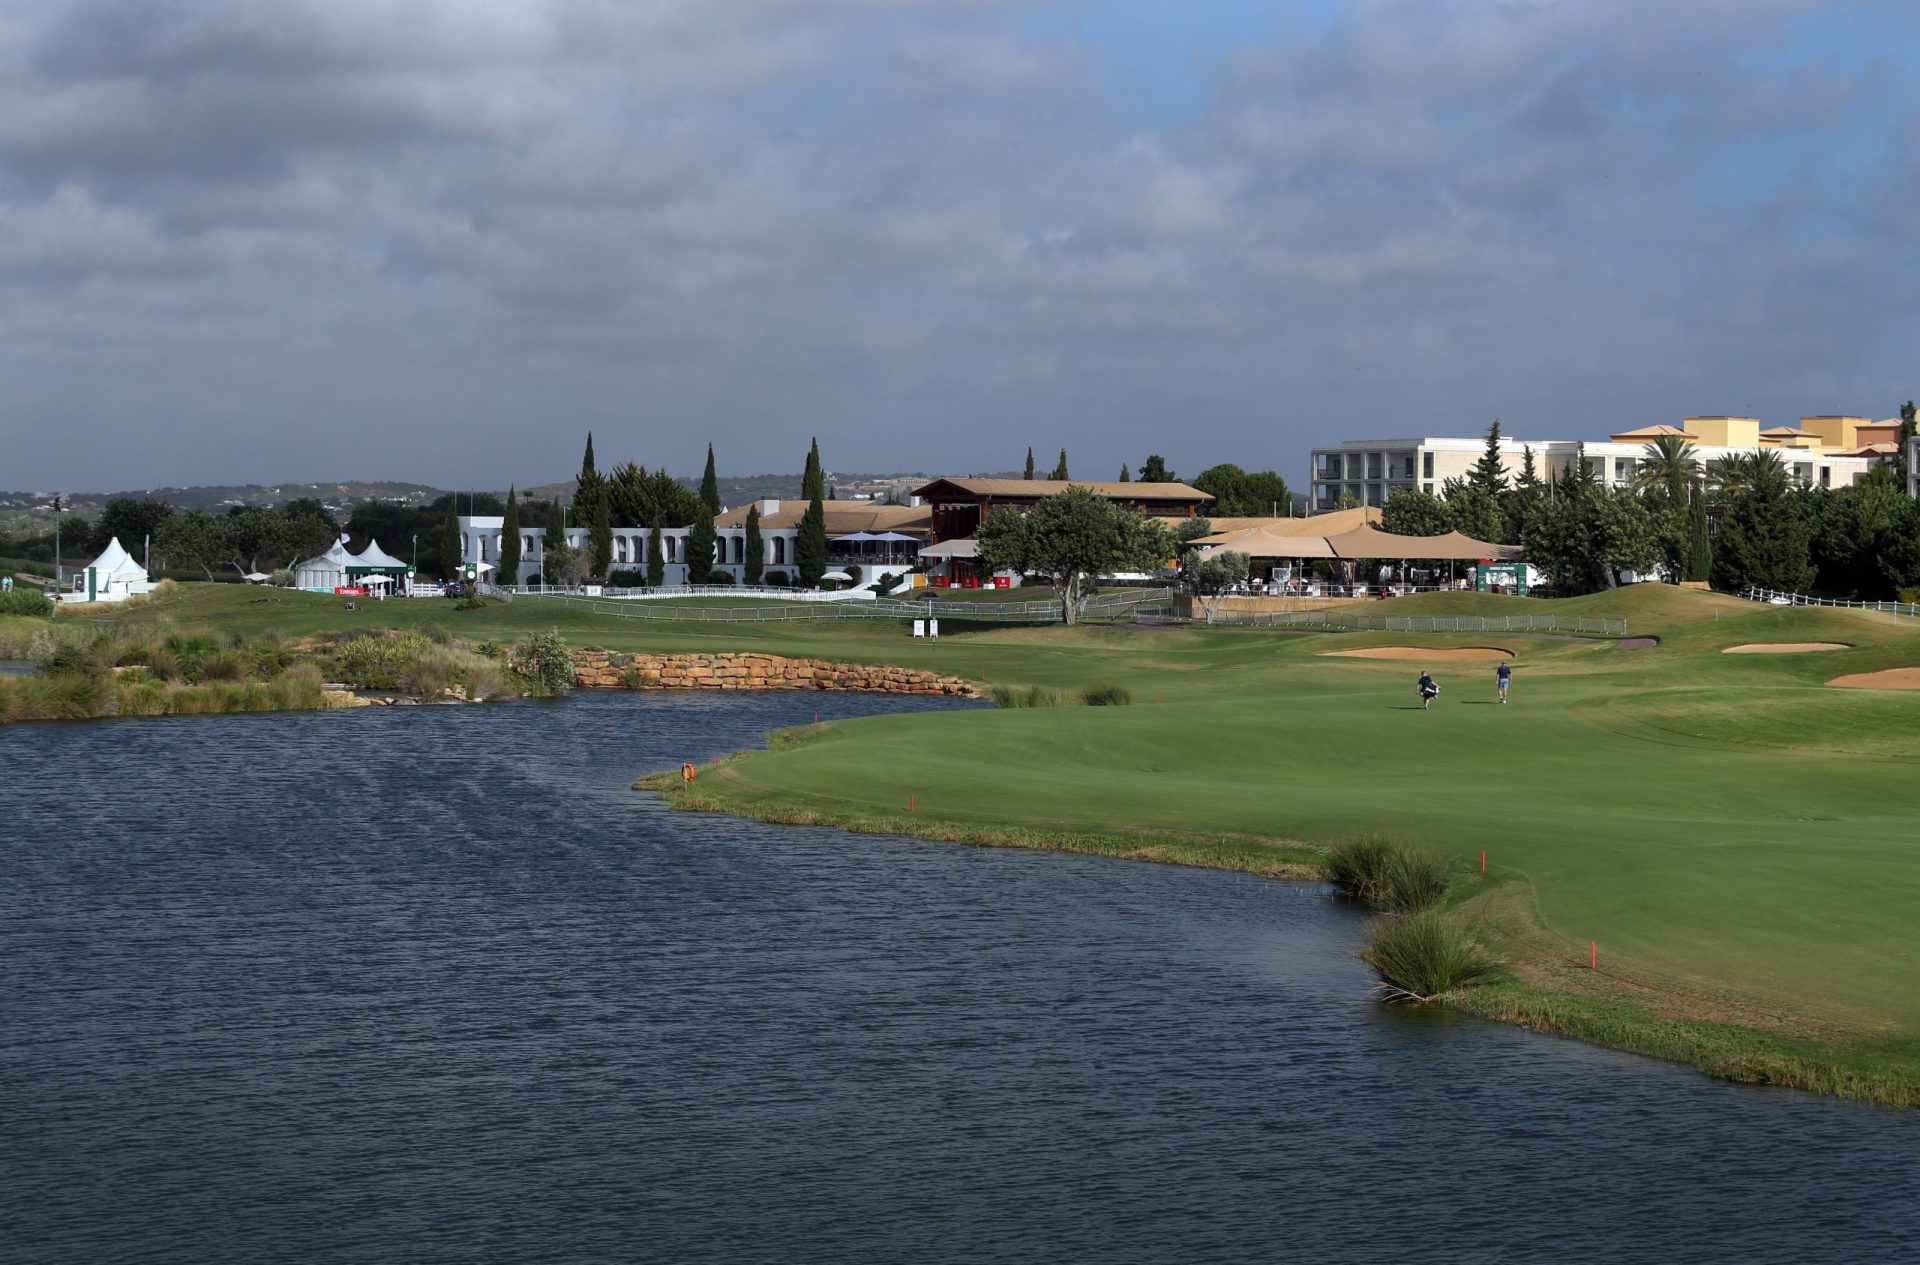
[22, 512]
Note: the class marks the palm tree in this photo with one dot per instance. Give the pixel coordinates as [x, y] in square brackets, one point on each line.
[1671, 462]
[1732, 474]
[1743, 472]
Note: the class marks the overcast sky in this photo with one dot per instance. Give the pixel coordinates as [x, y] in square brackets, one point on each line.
[439, 240]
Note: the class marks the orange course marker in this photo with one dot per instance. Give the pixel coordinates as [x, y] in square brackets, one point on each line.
[1593, 954]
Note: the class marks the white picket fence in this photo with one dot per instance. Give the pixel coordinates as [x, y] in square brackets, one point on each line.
[1107, 606]
[1774, 597]
[1339, 619]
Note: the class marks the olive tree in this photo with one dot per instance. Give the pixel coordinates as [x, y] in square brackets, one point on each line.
[1075, 537]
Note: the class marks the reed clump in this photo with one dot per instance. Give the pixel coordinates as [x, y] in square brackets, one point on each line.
[1015, 696]
[1106, 694]
[1423, 957]
[1388, 874]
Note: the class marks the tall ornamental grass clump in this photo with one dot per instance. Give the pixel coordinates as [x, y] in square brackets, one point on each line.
[1388, 874]
[1423, 956]
[1014, 696]
[1106, 694]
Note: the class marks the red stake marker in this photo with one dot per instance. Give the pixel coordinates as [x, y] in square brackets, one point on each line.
[1483, 861]
[1593, 954]
[909, 803]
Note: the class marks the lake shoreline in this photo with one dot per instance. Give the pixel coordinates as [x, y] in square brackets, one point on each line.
[1724, 1051]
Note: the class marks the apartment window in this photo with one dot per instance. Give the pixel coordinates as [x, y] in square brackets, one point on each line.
[1624, 469]
[1329, 465]
[1826, 476]
[1426, 468]
[1373, 465]
[1803, 471]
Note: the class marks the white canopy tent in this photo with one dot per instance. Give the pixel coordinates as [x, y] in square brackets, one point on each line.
[112, 577]
[323, 573]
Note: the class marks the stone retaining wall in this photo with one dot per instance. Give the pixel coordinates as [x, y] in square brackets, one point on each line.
[605, 669]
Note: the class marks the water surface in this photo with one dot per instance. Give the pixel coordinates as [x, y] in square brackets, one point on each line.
[431, 984]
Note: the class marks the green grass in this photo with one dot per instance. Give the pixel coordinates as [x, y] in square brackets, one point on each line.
[1737, 837]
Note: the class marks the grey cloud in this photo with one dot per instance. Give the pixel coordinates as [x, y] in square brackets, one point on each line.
[456, 234]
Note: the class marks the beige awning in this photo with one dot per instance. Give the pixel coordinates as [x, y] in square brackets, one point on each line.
[1259, 542]
[952, 549]
[1365, 542]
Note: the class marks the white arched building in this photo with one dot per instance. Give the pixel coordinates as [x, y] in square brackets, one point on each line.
[874, 540]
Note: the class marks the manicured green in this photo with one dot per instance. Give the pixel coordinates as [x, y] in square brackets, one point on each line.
[1737, 837]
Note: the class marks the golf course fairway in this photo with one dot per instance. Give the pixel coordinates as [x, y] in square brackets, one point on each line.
[1735, 839]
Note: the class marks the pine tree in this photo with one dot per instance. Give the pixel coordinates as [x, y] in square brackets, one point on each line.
[510, 541]
[1529, 475]
[450, 549]
[1126, 475]
[1488, 474]
[756, 548]
[600, 537]
[1154, 470]
[1029, 475]
[656, 558]
[1060, 474]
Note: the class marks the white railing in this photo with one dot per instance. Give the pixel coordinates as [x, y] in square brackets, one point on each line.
[1342, 619]
[1775, 598]
[1105, 607]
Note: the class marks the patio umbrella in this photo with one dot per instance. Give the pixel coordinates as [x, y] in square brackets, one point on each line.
[859, 535]
[894, 535]
[837, 575]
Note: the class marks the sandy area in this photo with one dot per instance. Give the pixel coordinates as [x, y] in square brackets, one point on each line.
[1891, 679]
[1411, 653]
[1786, 647]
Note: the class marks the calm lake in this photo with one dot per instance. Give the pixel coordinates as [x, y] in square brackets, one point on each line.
[432, 984]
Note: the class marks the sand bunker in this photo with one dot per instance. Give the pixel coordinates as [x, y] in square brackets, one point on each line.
[1450, 655]
[1786, 647]
[1891, 679]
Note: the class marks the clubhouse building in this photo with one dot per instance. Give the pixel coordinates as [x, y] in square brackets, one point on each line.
[960, 506]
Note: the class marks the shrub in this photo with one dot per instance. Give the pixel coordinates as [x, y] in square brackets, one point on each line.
[436, 633]
[1423, 956]
[1387, 873]
[777, 579]
[888, 583]
[282, 578]
[1911, 596]
[627, 578]
[471, 602]
[30, 602]
[544, 663]
[70, 658]
[1106, 695]
[42, 645]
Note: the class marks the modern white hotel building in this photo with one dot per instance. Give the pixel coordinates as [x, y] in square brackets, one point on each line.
[1823, 451]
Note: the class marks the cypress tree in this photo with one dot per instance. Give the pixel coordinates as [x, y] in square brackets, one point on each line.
[710, 486]
[1126, 475]
[600, 537]
[1060, 474]
[810, 548]
[589, 487]
[1029, 474]
[756, 548]
[450, 550]
[510, 541]
[1700, 559]
[700, 538]
[813, 483]
[656, 557]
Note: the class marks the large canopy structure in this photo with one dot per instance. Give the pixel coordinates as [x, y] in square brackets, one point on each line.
[1364, 541]
[373, 559]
